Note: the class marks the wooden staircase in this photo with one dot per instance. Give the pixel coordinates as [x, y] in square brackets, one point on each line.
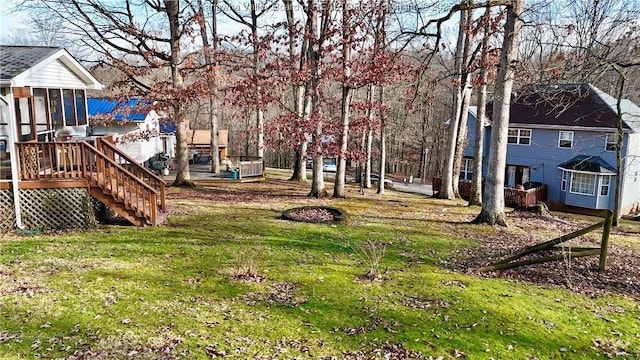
[113, 178]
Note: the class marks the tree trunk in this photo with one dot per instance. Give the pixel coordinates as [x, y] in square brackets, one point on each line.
[256, 73]
[297, 90]
[183, 177]
[493, 202]
[461, 139]
[211, 61]
[466, 89]
[447, 189]
[339, 185]
[619, 142]
[369, 146]
[383, 151]
[475, 197]
[312, 102]
[300, 164]
[300, 167]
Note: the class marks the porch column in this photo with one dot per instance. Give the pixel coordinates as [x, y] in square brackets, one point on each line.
[13, 156]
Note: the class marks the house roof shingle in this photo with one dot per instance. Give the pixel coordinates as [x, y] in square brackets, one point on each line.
[586, 163]
[570, 105]
[14, 60]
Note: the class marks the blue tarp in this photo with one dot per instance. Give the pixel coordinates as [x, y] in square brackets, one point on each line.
[101, 106]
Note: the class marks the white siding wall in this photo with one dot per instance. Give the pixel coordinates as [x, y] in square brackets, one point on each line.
[142, 150]
[631, 185]
[54, 75]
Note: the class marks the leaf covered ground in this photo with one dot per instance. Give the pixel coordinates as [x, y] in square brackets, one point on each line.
[228, 278]
[622, 275]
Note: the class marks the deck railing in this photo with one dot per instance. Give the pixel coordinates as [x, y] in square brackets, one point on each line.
[513, 197]
[67, 160]
[249, 166]
[114, 153]
[522, 198]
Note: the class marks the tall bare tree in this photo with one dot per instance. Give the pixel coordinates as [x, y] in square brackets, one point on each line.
[210, 49]
[297, 92]
[317, 23]
[447, 190]
[250, 20]
[345, 101]
[475, 196]
[493, 207]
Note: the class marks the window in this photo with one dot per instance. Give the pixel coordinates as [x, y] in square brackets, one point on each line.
[583, 184]
[66, 106]
[24, 112]
[563, 186]
[605, 181]
[69, 109]
[40, 97]
[612, 142]
[81, 112]
[55, 106]
[519, 136]
[466, 169]
[565, 139]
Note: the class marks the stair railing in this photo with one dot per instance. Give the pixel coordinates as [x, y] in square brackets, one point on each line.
[107, 147]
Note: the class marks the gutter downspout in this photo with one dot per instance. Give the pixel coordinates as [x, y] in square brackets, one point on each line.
[13, 136]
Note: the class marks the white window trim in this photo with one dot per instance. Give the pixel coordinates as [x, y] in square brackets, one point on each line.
[560, 139]
[602, 184]
[518, 137]
[607, 142]
[563, 183]
[595, 183]
[467, 168]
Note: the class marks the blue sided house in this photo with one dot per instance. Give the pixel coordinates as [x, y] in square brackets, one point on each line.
[565, 137]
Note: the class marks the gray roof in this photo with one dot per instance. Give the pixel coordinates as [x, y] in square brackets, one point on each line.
[592, 164]
[14, 60]
[570, 105]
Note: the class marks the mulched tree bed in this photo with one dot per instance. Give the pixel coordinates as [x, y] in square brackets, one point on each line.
[315, 214]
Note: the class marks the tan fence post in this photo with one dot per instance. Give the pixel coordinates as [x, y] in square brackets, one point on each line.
[604, 244]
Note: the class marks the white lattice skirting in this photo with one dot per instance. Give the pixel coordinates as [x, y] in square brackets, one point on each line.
[7, 211]
[64, 208]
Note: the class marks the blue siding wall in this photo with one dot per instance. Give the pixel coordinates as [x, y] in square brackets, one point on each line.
[471, 134]
[595, 201]
[543, 156]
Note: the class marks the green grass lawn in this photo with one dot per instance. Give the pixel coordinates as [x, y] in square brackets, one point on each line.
[227, 277]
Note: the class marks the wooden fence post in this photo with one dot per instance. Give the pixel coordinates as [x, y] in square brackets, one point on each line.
[604, 244]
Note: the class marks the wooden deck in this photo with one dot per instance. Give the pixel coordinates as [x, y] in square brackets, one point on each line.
[200, 175]
[513, 197]
[133, 191]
